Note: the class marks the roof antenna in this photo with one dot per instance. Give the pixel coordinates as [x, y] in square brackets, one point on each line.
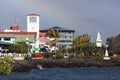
[17, 22]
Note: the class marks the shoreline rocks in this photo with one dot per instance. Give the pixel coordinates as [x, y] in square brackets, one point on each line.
[28, 65]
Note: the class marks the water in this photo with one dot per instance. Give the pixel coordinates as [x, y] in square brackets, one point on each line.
[90, 73]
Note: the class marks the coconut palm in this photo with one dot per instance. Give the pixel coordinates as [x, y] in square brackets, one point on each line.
[81, 42]
[53, 35]
[109, 40]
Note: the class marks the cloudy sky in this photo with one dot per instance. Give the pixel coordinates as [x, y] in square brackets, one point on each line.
[84, 16]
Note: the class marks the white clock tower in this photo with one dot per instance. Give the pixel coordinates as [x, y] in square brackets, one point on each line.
[33, 26]
[33, 22]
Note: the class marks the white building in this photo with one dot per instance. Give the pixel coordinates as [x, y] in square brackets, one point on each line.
[33, 21]
[33, 24]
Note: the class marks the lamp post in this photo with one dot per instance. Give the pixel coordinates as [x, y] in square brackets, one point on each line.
[27, 42]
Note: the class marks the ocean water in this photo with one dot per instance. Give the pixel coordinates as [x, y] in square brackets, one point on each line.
[84, 73]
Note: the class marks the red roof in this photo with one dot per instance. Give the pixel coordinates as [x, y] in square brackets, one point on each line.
[33, 14]
[42, 34]
[15, 28]
[24, 33]
[44, 39]
[19, 33]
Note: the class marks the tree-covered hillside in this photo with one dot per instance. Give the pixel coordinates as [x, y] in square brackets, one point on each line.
[114, 45]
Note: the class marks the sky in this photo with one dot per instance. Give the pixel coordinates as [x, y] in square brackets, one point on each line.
[83, 16]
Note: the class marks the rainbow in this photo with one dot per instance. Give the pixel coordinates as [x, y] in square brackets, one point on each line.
[55, 15]
[48, 10]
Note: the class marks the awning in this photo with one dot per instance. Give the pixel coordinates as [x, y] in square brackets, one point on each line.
[1, 42]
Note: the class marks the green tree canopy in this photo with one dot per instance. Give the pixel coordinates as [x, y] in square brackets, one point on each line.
[81, 42]
[114, 46]
[19, 47]
[109, 40]
[94, 50]
[6, 65]
[53, 33]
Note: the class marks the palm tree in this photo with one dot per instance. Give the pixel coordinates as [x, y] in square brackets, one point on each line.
[94, 50]
[109, 40]
[53, 35]
[81, 42]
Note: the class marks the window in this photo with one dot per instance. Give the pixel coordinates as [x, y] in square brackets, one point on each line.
[33, 19]
[7, 39]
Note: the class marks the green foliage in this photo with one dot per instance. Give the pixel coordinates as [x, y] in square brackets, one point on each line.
[109, 40]
[20, 47]
[61, 52]
[114, 46]
[6, 65]
[47, 55]
[94, 50]
[53, 33]
[81, 42]
[59, 56]
[63, 49]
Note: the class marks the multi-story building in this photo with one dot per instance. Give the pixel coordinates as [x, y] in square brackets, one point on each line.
[7, 38]
[66, 38]
[14, 34]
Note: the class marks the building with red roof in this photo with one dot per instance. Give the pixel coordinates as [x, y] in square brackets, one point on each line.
[14, 34]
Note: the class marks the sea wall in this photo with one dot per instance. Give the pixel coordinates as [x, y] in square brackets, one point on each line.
[28, 65]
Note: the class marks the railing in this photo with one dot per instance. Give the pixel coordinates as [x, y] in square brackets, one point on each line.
[16, 56]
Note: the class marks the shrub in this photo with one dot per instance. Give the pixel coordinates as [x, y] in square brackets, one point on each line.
[47, 55]
[6, 65]
[59, 56]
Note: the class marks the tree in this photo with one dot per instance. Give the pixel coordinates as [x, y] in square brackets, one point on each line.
[94, 50]
[63, 49]
[6, 65]
[19, 47]
[81, 43]
[114, 46]
[53, 33]
[109, 40]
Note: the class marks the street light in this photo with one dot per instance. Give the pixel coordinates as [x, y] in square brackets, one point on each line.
[27, 43]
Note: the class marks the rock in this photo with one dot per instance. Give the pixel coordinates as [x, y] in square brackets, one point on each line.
[28, 65]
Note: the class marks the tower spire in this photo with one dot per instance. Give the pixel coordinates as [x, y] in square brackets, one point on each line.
[99, 40]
